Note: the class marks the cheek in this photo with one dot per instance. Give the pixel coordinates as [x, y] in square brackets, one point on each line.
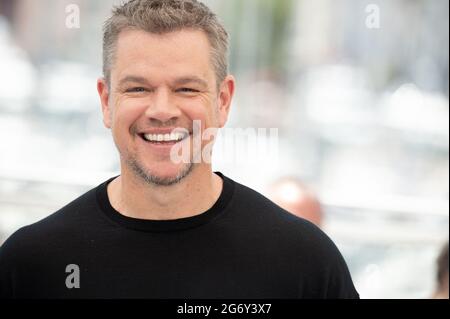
[124, 117]
[204, 111]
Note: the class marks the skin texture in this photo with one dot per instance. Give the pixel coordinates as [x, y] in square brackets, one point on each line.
[160, 83]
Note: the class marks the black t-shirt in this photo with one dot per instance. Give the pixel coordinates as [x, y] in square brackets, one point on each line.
[243, 247]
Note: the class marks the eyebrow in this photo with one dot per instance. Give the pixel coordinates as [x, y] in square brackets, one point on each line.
[179, 81]
[132, 78]
[191, 79]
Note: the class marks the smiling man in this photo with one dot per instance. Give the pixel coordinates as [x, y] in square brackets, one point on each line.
[166, 228]
[158, 86]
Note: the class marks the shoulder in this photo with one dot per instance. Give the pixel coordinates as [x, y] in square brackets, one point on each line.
[49, 231]
[294, 240]
[255, 213]
[262, 213]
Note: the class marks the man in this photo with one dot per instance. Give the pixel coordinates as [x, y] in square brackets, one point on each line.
[292, 195]
[167, 228]
[441, 290]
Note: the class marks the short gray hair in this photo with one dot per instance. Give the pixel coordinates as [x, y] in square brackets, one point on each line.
[165, 16]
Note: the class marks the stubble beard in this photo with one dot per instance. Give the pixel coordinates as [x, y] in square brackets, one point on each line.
[150, 178]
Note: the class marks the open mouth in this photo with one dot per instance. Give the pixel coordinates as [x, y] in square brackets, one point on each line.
[165, 139]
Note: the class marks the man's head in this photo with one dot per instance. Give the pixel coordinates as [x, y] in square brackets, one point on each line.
[292, 195]
[165, 66]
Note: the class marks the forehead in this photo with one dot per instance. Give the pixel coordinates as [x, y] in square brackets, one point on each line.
[185, 52]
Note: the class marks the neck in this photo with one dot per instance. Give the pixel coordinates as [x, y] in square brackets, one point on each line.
[193, 195]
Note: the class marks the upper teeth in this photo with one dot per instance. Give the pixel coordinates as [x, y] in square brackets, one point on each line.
[173, 137]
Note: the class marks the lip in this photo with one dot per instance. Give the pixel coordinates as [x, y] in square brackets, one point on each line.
[164, 131]
[158, 148]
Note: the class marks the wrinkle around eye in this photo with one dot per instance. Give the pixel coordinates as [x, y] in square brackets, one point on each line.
[136, 90]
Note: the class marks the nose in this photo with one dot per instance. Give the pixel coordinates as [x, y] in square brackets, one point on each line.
[162, 107]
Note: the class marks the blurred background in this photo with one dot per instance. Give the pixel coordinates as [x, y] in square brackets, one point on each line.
[359, 91]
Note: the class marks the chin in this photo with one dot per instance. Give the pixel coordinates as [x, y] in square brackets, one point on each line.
[172, 175]
[161, 174]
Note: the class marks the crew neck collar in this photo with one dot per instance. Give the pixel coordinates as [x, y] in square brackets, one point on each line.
[165, 225]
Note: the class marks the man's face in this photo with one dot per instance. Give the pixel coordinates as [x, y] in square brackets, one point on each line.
[160, 84]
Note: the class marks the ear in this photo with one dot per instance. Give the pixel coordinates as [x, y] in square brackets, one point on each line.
[103, 92]
[226, 94]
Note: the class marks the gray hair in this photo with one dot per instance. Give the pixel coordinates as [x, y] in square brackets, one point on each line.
[165, 16]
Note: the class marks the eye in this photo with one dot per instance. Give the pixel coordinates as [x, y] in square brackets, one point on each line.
[136, 90]
[187, 90]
